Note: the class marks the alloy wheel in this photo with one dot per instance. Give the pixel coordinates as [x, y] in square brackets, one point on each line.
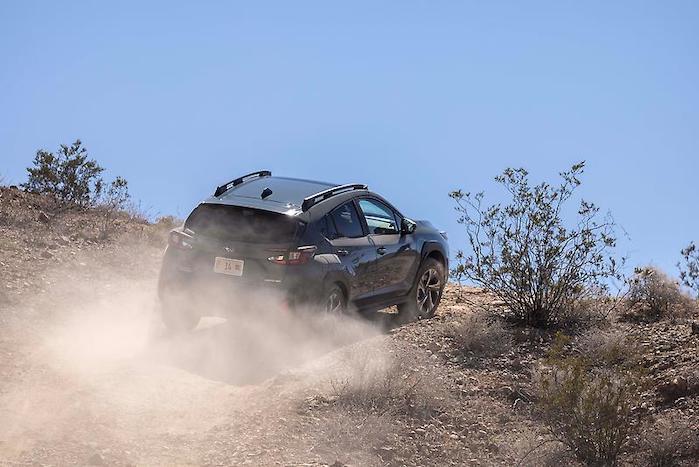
[333, 304]
[428, 290]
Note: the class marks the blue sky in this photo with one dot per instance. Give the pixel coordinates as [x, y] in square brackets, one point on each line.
[414, 98]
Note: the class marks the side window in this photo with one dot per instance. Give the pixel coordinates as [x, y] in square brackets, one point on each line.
[379, 217]
[346, 220]
[327, 228]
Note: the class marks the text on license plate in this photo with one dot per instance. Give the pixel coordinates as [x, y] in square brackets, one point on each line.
[233, 267]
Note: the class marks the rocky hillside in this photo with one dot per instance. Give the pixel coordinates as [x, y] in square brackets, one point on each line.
[88, 375]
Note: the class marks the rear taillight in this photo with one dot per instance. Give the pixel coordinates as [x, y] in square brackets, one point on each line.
[180, 240]
[300, 255]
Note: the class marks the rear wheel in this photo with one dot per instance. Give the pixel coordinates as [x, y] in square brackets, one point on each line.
[335, 302]
[426, 293]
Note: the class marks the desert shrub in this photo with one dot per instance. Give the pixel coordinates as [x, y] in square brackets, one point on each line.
[157, 233]
[380, 386]
[607, 348]
[653, 295]
[68, 175]
[689, 269]
[669, 443]
[587, 408]
[481, 335]
[357, 438]
[168, 223]
[113, 202]
[525, 252]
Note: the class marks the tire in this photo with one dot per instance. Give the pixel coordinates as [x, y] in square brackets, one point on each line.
[426, 293]
[334, 301]
[178, 318]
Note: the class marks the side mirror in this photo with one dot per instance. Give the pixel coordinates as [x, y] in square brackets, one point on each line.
[407, 226]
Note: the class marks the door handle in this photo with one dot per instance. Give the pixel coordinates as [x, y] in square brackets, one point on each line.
[342, 252]
[381, 250]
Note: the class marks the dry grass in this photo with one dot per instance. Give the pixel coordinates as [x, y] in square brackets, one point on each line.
[654, 296]
[377, 385]
[670, 443]
[481, 335]
[609, 348]
[357, 438]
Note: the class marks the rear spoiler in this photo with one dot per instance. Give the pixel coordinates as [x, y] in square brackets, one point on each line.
[329, 193]
[235, 182]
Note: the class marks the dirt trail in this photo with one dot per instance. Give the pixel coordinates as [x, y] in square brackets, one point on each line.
[89, 375]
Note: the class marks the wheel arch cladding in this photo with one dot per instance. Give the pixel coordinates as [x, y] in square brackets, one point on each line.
[432, 250]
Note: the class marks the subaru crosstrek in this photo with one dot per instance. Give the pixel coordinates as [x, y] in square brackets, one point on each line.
[319, 245]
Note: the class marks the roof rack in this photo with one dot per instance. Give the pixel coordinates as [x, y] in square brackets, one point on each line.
[227, 186]
[325, 194]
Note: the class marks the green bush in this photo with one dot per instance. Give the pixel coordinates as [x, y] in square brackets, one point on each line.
[589, 407]
[68, 175]
[689, 271]
[526, 254]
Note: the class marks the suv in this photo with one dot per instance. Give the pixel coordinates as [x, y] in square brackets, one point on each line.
[318, 244]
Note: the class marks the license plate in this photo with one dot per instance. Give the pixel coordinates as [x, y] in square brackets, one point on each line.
[232, 267]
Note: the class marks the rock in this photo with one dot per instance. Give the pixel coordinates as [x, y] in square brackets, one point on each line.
[386, 452]
[63, 240]
[674, 389]
[46, 254]
[43, 218]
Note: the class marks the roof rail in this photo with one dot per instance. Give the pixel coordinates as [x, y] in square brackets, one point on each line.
[325, 194]
[227, 186]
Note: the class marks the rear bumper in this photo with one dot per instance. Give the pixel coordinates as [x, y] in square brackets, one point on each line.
[216, 294]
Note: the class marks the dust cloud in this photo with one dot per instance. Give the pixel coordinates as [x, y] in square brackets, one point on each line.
[98, 373]
[247, 344]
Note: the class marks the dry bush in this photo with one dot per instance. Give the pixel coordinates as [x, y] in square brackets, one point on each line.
[111, 204]
[669, 443]
[481, 335]
[157, 233]
[359, 439]
[532, 451]
[376, 385]
[608, 348]
[653, 296]
[587, 408]
[167, 223]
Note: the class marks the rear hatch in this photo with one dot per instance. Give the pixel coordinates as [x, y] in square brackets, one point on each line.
[247, 236]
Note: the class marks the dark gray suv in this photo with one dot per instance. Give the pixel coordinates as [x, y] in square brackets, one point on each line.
[315, 244]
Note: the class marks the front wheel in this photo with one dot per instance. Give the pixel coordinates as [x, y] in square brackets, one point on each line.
[426, 293]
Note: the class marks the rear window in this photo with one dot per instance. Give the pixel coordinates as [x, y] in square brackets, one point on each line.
[242, 224]
[346, 220]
